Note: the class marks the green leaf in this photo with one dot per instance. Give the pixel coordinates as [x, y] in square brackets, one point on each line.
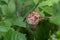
[5, 23]
[56, 17]
[8, 10]
[11, 8]
[40, 11]
[37, 9]
[6, 1]
[19, 21]
[35, 1]
[3, 2]
[58, 34]
[42, 32]
[25, 6]
[4, 9]
[49, 2]
[14, 35]
[4, 29]
[46, 5]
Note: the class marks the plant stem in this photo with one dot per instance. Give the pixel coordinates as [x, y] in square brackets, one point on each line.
[35, 6]
[16, 2]
[46, 17]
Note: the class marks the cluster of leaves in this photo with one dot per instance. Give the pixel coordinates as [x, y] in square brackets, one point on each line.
[13, 27]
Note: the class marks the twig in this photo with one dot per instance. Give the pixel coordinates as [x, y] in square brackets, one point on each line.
[46, 17]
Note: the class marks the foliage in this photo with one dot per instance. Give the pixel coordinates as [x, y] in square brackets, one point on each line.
[13, 27]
